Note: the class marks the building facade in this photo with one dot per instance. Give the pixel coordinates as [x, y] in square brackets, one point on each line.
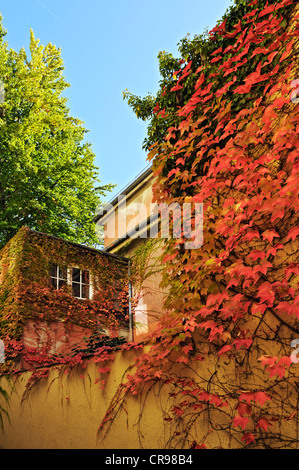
[131, 229]
[55, 295]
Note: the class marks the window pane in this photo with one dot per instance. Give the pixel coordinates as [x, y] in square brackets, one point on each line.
[76, 289]
[85, 277]
[61, 283]
[85, 291]
[76, 275]
[62, 273]
[54, 282]
[53, 270]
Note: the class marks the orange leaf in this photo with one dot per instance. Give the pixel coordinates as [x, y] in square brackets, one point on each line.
[293, 233]
[269, 235]
[225, 349]
[246, 396]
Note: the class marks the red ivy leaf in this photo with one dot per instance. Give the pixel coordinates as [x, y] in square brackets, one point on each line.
[246, 396]
[240, 421]
[217, 51]
[271, 56]
[216, 59]
[269, 235]
[173, 172]
[176, 87]
[255, 254]
[248, 438]
[250, 235]
[267, 360]
[293, 233]
[237, 30]
[263, 423]
[168, 258]
[225, 349]
[287, 51]
[265, 293]
[244, 409]
[261, 397]
[267, 10]
[292, 269]
[178, 411]
[156, 108]
[198, 446]
[285, 360]
[180, 161]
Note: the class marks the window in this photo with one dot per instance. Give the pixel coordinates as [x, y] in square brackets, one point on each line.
[80, 283]
[58, 276]
[79, 280]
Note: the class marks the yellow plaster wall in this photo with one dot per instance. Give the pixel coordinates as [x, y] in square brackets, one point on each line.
[123, 219]
[150, 295]
[65, 413]
[147, 289]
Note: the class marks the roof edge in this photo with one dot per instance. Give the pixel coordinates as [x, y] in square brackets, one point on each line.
[78, 245]
[127, 189]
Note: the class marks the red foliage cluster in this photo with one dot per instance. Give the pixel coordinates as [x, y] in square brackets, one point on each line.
[233, 304]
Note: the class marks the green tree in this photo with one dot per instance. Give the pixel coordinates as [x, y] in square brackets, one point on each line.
[48, 180]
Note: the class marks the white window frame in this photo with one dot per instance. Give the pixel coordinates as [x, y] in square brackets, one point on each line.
[69, 280]
[57, 278]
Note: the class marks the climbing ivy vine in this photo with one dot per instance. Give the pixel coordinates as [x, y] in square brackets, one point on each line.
[223, 131]
[26, 294]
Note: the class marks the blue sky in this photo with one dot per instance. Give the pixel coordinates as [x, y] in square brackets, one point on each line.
[108, 46]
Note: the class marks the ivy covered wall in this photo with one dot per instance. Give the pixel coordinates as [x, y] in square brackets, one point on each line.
[39, 320]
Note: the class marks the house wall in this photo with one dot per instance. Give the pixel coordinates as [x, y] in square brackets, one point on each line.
[118, 222]
[125, 216]
[65, 410]
[38, 316]
[149, 295]
[65, 413]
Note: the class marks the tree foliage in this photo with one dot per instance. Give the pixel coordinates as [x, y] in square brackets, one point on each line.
[48, 180]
